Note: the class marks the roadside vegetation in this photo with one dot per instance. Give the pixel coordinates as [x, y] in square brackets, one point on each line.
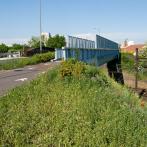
[3, 48]
[128, 64]
[14, 48]
[21, 62]
[73, 105]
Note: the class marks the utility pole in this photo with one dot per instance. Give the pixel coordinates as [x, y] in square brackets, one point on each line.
[40, 27]
[136, 69]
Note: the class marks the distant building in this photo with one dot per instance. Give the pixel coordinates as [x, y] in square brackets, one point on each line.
[131, 43]
[45, 36]
[132, 48]
[127, 43]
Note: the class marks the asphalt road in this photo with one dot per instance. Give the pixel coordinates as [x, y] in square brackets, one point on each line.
[12, 78]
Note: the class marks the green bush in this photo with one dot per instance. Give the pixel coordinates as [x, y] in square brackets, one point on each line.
[76, 112]
[91, 71]
[3, 48]
[72, 67]
[66, 68]
[128, 64]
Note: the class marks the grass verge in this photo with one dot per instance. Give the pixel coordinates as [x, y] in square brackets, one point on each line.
[65, 107]
[17, 63]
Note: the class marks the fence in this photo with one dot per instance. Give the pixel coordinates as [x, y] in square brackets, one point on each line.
[135, 73]
[75, 42]
[97, 42]
[137, 62]
[105, 43]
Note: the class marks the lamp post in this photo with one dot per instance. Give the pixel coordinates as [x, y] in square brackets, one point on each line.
[40, 26]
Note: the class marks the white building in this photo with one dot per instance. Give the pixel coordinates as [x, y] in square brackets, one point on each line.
[45, 36]
[127, 43]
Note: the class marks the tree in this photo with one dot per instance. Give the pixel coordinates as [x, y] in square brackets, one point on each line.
[35, 42]
[3, 48]
[143, 51]
[16, 47]
[56, 42]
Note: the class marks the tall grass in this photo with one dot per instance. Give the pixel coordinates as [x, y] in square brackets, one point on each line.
[17, 63]
[72, 110]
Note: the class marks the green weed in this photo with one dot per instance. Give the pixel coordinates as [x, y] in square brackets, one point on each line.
[17, 63]
[79, 112]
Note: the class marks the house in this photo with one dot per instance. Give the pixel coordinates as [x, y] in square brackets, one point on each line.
[131, 48]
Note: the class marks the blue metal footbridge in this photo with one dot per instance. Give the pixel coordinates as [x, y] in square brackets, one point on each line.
[96, 52]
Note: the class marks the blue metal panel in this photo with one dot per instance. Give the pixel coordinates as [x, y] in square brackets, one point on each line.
[84, 50]
[75, 42]
[92, 56]
[104, 43]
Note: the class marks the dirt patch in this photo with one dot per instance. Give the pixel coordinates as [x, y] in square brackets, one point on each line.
[130, 82]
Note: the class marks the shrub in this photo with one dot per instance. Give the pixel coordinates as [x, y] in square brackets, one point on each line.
[128, 64]
[17, 63]
[72, 67]
[66, 67]
[91, 71]
[78, 69]
[3, 48]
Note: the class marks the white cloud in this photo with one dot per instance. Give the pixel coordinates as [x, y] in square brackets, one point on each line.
[10, 41]
[88, 36]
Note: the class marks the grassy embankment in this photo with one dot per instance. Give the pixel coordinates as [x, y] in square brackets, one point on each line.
[74, 105]
[17, 63]
[128, 64]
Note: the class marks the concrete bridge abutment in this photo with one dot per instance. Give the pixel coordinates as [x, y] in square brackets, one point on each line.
[115, 70]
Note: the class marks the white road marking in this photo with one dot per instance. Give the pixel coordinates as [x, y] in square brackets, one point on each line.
[22, 80]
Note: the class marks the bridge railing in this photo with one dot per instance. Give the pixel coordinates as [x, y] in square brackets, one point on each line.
[91, 56]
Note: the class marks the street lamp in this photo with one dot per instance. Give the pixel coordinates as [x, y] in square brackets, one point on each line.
[40, 27]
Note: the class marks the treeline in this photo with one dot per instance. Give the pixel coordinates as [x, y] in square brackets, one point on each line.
[15, 47]
[56, 41]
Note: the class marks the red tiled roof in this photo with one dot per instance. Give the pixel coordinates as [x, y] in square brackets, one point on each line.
[132, 48]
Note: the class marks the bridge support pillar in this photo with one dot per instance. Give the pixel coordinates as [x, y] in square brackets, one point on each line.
[114, 69]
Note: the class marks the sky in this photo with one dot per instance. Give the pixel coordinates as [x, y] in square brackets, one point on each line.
[114, 19]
